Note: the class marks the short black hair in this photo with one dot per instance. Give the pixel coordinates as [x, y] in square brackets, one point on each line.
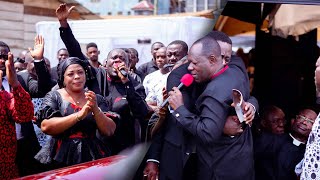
[220, 36]
[156, 43]
[182, 43]
[3, 44]
[133, 50]
[92, 44]
[62, 49]
[126, 50]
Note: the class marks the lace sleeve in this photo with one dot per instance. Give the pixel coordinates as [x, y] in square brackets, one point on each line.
[20, 105]
[50, 107]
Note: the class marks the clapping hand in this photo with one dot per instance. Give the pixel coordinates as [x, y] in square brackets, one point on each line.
[90, 106]
[92, 102]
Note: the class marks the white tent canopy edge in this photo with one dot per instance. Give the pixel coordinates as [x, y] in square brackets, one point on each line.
[124, 33]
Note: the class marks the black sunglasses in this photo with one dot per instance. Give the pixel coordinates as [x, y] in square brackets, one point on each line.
[20, 60]
[4, 56]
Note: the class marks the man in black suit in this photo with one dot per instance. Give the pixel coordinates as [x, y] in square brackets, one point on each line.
[174, 146]
[212, 107]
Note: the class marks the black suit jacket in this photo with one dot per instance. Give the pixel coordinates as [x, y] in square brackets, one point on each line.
[171, 146]
[74, 50]
[206, 126]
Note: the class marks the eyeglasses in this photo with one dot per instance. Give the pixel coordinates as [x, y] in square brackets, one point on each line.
[301, 118]
[20, 60]
[4, 56]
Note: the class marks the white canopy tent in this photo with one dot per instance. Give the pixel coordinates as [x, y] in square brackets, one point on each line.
[124, 33]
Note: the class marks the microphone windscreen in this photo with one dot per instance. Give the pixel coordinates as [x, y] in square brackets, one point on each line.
[186, 80]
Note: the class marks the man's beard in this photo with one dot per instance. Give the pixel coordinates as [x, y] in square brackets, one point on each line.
[94, 59]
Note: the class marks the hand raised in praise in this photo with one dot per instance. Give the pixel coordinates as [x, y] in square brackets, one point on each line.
[62, 12]
[11, 72]
[37, 51]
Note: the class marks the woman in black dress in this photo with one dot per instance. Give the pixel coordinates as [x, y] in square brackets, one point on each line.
[72, 115]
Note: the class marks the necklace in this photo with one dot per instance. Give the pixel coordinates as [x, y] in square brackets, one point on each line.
[75, 101]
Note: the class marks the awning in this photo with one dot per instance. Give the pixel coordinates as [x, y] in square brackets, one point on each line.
[282, 19]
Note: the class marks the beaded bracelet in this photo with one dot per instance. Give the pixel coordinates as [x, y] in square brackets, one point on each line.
[98, 112]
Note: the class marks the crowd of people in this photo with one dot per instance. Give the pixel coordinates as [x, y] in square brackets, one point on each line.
[84, 109]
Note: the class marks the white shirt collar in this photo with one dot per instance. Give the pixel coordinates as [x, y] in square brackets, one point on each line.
[295, 141]
[5, 84]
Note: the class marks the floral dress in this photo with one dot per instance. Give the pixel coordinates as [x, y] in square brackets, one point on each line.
[14, 107]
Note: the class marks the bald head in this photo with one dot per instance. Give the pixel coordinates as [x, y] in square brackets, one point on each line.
[118, 53]
[205, 59]
[208, 46]
[116, 57]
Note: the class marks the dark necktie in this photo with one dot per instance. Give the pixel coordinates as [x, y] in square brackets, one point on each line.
[2, 88]
[102, 84]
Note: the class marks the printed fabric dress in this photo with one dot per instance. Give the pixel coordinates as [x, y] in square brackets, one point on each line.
[77, 144]
[14, 107]
[309, 167]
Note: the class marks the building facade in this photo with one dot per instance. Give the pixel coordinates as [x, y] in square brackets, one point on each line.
[109, 7]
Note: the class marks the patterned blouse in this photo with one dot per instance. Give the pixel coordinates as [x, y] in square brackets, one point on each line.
[153, 84]
[309, 168]
[14, 107]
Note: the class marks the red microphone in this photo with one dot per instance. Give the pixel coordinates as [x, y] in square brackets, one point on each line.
[186, 80]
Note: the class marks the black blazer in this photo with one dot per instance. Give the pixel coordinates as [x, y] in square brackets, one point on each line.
[173, 145]
[74, 50]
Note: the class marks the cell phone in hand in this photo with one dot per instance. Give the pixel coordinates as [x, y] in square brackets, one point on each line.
[238, 103]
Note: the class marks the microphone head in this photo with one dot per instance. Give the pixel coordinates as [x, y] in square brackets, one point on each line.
[187, 80]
